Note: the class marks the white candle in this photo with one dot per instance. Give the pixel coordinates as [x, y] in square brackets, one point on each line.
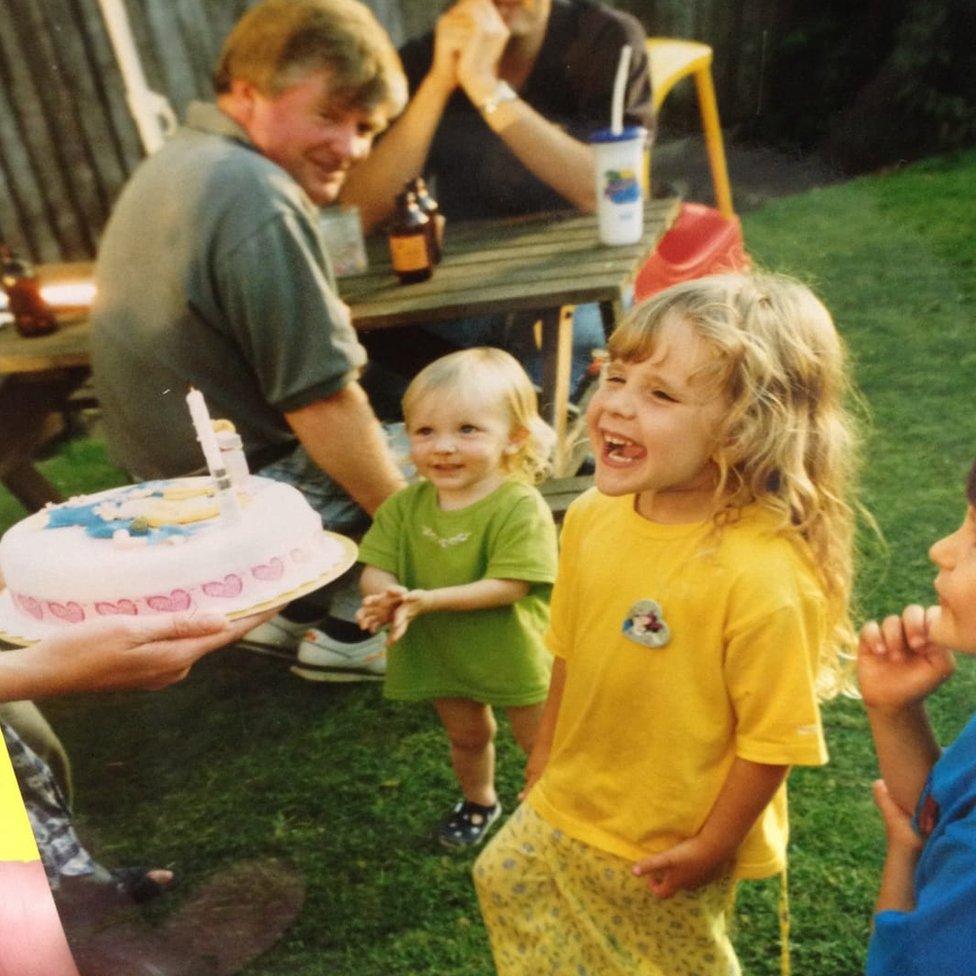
[211, 451]
[205, 432]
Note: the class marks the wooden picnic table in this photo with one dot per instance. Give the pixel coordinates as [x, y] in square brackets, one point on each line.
[545, 264]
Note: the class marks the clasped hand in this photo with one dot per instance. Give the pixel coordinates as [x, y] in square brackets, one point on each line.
[468, 42]
[393, 608]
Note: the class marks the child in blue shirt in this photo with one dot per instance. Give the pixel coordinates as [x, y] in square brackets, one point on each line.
[926, 908]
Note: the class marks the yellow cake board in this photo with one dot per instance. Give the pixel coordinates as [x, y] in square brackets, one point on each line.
[346, 559]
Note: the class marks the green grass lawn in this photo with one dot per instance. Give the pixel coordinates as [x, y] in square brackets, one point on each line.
[244, 760]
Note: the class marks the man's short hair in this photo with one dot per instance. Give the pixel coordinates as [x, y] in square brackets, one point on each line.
[280, 42]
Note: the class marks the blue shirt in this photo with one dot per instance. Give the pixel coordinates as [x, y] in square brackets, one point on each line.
[939, 935]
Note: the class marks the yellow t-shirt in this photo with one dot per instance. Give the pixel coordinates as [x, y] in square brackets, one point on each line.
[646, 734]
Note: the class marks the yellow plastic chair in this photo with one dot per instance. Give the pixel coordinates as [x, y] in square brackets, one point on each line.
[671, 60]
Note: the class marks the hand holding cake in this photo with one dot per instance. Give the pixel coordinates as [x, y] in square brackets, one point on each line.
[117, 653]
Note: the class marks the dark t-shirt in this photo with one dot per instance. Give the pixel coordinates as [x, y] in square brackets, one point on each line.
[571, 84]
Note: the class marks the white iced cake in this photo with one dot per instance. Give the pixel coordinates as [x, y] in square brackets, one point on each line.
[163, 547]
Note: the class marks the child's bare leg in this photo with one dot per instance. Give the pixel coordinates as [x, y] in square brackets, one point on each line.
[525, 723]
[471, 727]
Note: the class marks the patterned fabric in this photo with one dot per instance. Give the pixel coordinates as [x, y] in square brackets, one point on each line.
[339, 512]
[554, 906]
[47, 810]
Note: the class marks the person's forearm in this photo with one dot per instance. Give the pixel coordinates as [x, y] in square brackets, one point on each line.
[746, 792]
[550, 715]
[554, 156]
[22, 675]
[343, 437]
[906, 749]
[897, 891]
[482, 595]
[376, 580]
[399, 156]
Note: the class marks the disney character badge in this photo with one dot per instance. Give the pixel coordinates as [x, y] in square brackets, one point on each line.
[645, 624]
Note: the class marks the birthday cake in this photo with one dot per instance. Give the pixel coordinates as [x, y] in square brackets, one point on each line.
[163, 547]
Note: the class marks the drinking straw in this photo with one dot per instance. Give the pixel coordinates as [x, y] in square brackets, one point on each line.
[619, 82]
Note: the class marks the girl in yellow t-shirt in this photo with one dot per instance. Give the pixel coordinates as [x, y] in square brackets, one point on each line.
[700, 609]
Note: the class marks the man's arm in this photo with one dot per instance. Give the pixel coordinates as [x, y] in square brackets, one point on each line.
[343, 437]
[373, 183]
[400, 155]
[556, 158]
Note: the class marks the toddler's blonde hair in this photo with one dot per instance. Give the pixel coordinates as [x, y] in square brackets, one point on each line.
[496, 381]
[788, 440]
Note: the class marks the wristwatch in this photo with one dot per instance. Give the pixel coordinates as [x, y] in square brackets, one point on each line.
[503, 93]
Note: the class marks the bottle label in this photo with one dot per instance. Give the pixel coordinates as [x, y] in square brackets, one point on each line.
[410, 253]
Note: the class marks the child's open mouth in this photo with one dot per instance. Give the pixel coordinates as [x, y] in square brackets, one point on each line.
[621, 450]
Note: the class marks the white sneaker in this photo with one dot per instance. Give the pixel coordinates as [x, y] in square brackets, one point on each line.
[276, 634]
[328, 659]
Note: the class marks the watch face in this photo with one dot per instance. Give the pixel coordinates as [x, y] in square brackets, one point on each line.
[503, 93]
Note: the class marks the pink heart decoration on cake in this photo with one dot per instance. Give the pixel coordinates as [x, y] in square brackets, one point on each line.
[29, 605]
[105, 608]
[230, 585]
[177, 600]
[71, 612]
[269, 571]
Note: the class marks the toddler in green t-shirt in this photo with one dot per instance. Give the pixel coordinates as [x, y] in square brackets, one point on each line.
[459, 567]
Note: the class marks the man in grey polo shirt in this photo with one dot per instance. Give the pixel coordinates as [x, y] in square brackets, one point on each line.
[212, 273]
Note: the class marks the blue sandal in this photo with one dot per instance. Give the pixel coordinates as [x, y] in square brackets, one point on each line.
[467, 824]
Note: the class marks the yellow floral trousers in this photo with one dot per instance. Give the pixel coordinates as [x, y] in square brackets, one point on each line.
[554, 906]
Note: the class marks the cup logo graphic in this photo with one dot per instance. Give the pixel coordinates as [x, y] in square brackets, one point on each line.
[621, 186]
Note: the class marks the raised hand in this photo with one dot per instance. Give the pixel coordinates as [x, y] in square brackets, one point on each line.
[487, 35]
[452, 34]
[683, 867]
[898, 664]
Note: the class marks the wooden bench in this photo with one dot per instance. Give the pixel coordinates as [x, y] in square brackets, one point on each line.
[560, 492]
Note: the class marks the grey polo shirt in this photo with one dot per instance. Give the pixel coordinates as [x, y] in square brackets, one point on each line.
[212, 273]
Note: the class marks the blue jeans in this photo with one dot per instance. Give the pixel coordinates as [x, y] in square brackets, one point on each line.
[339, 512]
[518, 338]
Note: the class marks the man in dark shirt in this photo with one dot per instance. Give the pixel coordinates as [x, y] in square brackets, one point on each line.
[503, 96]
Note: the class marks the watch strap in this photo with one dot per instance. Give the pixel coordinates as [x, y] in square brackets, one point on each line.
[503, 93]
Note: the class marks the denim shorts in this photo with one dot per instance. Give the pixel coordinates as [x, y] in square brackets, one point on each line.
[339, 512]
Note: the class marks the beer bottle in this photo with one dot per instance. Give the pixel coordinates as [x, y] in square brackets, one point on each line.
[32, 316]
[430, 207]
[411, 252]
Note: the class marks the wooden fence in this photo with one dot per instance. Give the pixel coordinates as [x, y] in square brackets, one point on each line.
[68, 142]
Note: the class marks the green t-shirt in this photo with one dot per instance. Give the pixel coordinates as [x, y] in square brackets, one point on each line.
[496, 655]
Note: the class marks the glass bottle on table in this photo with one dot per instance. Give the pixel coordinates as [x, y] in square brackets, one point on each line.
[32, 315]
[411, 250]
[430, 207]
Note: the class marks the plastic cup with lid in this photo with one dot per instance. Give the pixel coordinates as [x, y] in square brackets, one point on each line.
[619, 158]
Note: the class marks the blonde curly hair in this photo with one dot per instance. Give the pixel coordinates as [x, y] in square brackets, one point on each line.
[495, 381]
[789, 441]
